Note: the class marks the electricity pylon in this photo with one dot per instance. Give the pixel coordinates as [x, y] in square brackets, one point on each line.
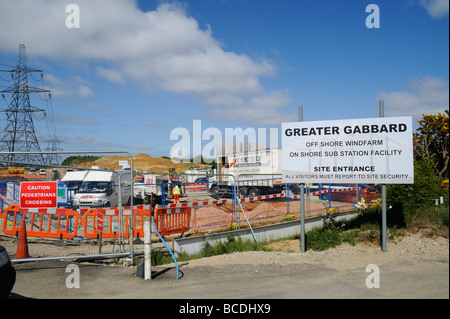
[19, 134]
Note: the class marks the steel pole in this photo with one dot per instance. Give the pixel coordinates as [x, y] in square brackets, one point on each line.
[383, 200]
[302, 199]
[147, 251]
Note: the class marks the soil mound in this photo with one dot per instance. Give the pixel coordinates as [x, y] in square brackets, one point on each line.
[142, 163]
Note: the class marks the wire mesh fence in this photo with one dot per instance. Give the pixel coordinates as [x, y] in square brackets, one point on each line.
[217, 203]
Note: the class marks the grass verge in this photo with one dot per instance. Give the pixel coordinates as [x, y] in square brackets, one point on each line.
[430, 220]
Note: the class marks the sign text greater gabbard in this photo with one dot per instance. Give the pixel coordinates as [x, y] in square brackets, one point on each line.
[377, 150]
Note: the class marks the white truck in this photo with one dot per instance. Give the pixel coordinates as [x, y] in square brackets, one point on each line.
[256, 172]
[73, 180]
[152, 184]
[101, 189]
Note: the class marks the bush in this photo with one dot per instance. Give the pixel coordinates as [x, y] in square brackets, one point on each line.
[322, 238]
[426, 187]
[431, 217]
[350, 237]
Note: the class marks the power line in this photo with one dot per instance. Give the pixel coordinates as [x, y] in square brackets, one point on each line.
[19, 134]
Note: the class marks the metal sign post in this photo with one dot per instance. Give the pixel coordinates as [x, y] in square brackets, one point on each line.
[383, 199]
[302, 199]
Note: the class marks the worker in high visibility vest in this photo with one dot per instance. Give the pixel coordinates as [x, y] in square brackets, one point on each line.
[176, 194]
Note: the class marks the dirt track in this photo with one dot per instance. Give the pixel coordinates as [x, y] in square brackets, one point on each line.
[415, 267]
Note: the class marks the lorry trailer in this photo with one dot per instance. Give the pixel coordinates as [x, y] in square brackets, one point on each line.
[252, 173]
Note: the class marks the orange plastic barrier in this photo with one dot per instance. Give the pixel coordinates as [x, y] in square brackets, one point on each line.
[63, 223]
[172, 220]
[111, 222]
[58, 223]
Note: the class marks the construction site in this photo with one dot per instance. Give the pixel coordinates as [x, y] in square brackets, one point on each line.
[106, 201]
[228, 156]
[124, 208]
[209, 210]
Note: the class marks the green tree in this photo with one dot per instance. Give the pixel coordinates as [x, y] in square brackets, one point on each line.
[431, 142]
[426, 186]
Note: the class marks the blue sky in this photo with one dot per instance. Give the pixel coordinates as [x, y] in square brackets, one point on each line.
[136, 71]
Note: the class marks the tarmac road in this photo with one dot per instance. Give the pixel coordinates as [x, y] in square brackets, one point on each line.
[310, 279]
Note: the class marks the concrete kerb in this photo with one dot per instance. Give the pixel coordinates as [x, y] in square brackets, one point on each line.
[192, 245]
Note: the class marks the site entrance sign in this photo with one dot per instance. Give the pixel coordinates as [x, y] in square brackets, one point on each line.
[372, 151]
[38, 194]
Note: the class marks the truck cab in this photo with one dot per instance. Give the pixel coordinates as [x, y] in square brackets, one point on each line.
[73, 180]
[101, 189]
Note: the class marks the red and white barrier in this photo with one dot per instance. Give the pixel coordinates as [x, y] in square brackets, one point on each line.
[250, 199]
[334, 190]
[197, 204]
[196, 187]
[50, 211]
[8, 200]
[127, 209]
[112, 210]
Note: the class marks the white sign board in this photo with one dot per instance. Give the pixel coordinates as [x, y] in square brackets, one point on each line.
[61, 195]
[372, 151]
[124, 164]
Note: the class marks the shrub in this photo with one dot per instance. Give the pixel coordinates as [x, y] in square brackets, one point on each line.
[426, 186]
[322, 238]
[350, 237]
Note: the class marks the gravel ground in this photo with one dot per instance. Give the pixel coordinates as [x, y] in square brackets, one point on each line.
[414, 248]
[413, 267]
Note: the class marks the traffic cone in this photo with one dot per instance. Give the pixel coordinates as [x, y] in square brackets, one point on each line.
[22, 246]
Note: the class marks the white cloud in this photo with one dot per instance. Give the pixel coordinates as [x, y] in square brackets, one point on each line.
[436, 8]
[141, 147]
[163, 49]
[77, 120]
[74, 86]
[58, 87]
[429, 95]
[263, 109]
[91, 105]
[91, 142]
[111, 75]
[85, 92]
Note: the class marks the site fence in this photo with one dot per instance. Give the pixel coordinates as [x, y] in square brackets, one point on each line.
[217, 203]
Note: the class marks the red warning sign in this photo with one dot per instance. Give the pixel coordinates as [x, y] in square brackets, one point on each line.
[38, 194]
